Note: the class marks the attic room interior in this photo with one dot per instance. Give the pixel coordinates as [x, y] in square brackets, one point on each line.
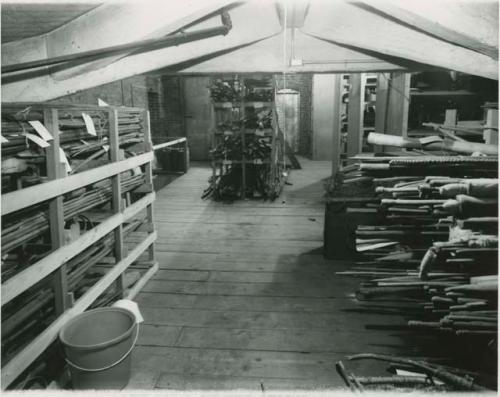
[265, 196]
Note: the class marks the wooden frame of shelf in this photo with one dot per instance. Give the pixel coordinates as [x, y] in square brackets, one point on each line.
[53, 191]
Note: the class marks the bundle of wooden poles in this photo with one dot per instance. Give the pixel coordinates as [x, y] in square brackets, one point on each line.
[433, 249]
[407, 375]
[227, 186]
[83, 150]
[27, 315]
[31, 224]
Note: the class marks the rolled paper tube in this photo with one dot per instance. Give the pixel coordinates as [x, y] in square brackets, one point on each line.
[454, 146]
[483, 187]
[473, 206]
[416, 202]
[374, 167]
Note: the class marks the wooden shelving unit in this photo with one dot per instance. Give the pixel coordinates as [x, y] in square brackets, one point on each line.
[126, 224]
[227, 115]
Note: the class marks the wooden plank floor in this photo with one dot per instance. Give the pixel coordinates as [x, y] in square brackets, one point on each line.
[244, 298]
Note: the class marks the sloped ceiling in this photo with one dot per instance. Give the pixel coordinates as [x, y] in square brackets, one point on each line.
[322, 36]
[315, 55]
[22, 20]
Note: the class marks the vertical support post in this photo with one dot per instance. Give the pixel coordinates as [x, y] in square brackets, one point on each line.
[399, 102]
[116, 188]
[337, 123]
[491, 135]
[56, 170]
[148, 146]
[392, 118]
[243, 143]
[355, 114]
[326, 110]
[450, 118]
[381, 106]
[186, 156]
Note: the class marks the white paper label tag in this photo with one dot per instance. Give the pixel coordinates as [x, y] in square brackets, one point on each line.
[39, 141]
[105, 147]
[100, 102]
[89, 124]
[41, 130]
[64, 160]
[130, 306]
[3, 139]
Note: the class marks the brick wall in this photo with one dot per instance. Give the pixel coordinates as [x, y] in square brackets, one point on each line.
[303, 84]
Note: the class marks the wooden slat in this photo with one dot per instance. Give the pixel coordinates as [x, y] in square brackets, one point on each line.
[322, 290]
[243, 303]
[215, 362]
[21, 361]
[247, 276]
[23, 198]
[258, 319]
[30, 276]
[252, 384]
[142, 281]
[284, 340]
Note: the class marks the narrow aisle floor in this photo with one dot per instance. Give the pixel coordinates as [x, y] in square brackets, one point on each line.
[244, 297]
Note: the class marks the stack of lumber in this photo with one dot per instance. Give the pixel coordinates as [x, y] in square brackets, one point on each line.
[25, 159]
[433, 257]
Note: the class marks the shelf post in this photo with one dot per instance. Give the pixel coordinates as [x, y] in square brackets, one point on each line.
[148, 146]
[243, 143]
[56, 170]
[337, 123]
[355, 114]
[116, 201]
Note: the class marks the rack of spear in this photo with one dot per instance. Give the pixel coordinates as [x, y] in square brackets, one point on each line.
[433, 251]
[23, 231]
[28, 314]
[24, 159]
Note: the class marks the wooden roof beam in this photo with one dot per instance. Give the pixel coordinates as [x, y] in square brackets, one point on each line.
[429, 27]
[54, 83]
[366, 30]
